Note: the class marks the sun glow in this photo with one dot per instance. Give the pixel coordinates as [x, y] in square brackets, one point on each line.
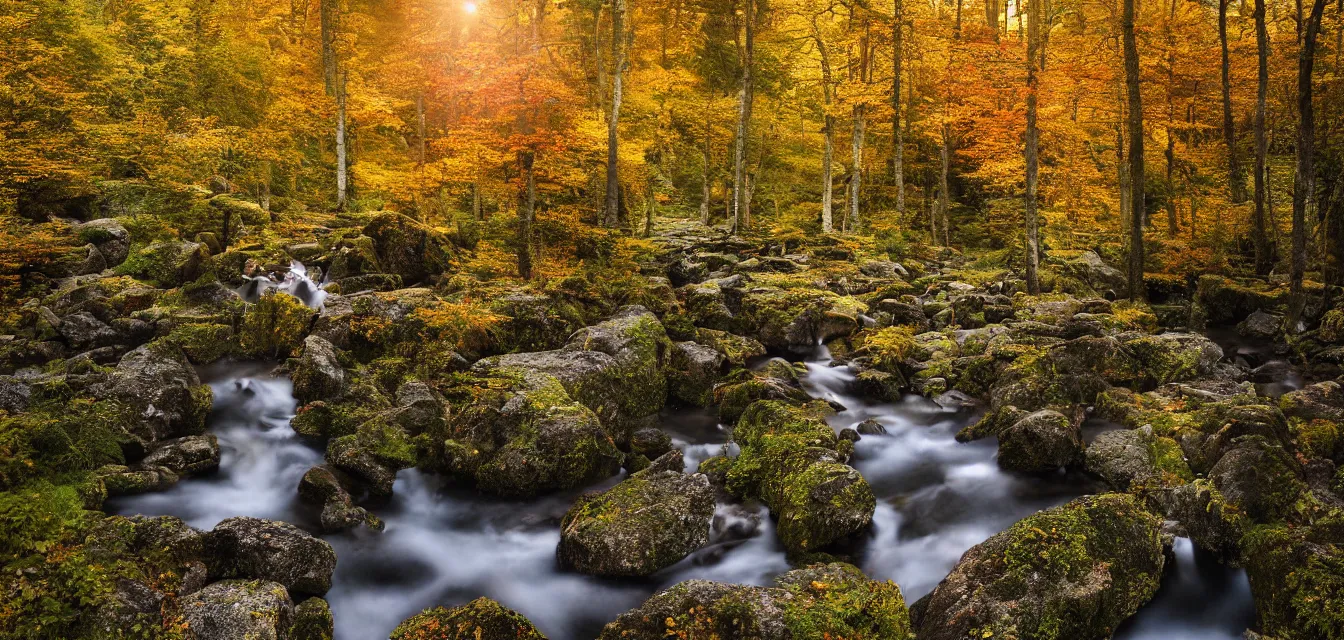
[469, 7]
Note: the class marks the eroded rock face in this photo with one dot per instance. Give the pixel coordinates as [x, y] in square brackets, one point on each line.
[1174, 357]
[828, 600]
[234, 609]
[646, 523]
[1074, 571]
[271, 550]
[480, 619]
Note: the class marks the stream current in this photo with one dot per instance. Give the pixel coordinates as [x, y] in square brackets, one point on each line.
[445, 545]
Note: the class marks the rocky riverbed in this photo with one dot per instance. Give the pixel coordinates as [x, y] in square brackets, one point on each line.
[738, 437]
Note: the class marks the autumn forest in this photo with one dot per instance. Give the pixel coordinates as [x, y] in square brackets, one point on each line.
[642, 319]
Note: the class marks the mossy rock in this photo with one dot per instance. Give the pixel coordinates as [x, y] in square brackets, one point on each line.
[790, 461]
[312, 621]
[1072, 572]
[1297, 583]
[820, 601]
[274, 326]
[410, 249]
[167, 264]
[644, 524]
[523, 436]
[480, 619]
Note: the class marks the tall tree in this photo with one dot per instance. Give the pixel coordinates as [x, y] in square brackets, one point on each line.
[1134, 104]
[613, 202]
[744, 98]
[858, 73]
[898, 134]
[1030, 149]
[1304, 182]
[827, 130]
[1235, 177]
[1259, 233]
[335, 80]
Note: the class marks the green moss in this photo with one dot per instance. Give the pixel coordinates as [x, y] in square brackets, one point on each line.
[788, 461]
[480, 619]
[838, 601]
[204, 343]
[59, 435]
[275, 326]
[1315, 438]
[889, 347]
[1170, 462]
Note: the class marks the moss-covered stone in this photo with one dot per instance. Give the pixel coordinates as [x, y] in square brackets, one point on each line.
[167, 264]
[480, 619]
[646, 523]
[523, 435]
[820, 601]
[1298, 584]
[275, 326]
[1071, 572]
[789, 461]
[408, 248]
[312, 621]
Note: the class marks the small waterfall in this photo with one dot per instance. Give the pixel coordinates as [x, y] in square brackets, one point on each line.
[295, 282]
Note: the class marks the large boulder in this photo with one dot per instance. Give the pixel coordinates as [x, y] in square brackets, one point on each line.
[1130, 459]
[1297, 581]
[480, 619]
[167, 264]
[372, 456]
[1041, 441]
[1075, 571]
[1258, 477]
[615, 368]
[111, 239]
[408, 248]
[692, 372]
[1175, 357]
[1089, 268]
[234, 609]
[270, 550]
[638, 527]
[526, 437]
[820, 601]
[317, 373]
[790, 460]
[158, 383]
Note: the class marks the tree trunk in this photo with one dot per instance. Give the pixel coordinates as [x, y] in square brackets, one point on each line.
[617, 91]
[1173, 225]
[705, 189]
[476, 201]
[743, 116]
[527, 204]
[420, 125]
[992, 17]
[342, 155]
[857, 134]
[1030, 152]
[945, 155]
[1259, 233]
[1135, 107]
[331, 21]
[1304, 182]
[1236, 179]
[898, 135]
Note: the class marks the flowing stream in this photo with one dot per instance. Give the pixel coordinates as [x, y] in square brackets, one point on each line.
[444, 546]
